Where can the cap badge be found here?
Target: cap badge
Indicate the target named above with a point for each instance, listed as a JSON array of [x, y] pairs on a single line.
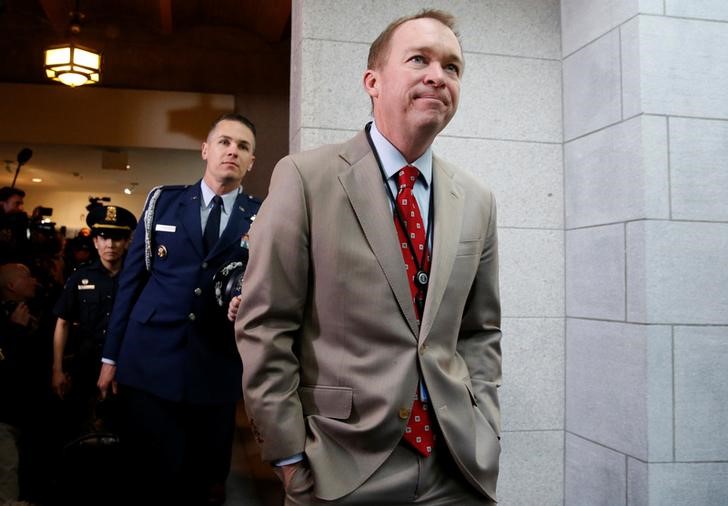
[[162, 251], [111, 214]]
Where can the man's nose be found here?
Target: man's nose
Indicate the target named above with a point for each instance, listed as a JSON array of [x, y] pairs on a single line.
[[435, 74]]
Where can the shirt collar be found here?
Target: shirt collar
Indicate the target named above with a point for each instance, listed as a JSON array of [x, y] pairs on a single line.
[[392, 160], [228, 199]]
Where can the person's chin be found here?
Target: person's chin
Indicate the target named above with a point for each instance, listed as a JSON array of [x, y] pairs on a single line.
[[433, 121]]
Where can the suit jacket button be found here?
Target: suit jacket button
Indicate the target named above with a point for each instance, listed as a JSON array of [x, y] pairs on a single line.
[[204, 265], [198, 291], [191, 317], [404, 413]]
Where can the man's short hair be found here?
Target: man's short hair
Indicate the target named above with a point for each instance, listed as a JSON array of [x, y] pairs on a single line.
[[379, 50], [6, 192], [233, 116]]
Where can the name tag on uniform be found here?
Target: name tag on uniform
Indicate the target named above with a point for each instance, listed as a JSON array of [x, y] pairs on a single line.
[[87, 287], [165, 228]]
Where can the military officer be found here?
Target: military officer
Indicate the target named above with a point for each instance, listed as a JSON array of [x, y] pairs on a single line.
[[169, 345], [83, 311]]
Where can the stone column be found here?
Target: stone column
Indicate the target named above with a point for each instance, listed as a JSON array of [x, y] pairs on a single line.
[[646, 206]]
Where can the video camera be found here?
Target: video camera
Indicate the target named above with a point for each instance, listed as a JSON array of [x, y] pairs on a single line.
[[94, 202], [23, 236]]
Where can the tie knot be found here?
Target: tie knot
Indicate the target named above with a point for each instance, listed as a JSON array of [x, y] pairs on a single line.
[[217, 201], [407, 176]]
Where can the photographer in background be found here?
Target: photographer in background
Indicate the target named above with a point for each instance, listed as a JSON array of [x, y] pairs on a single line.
[[11, 200], [31, 240], [16, 286], [24, 364], [13, 225]]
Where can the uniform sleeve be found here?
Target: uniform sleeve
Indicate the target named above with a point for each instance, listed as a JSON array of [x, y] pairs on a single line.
[[132, 279], [67, 304]]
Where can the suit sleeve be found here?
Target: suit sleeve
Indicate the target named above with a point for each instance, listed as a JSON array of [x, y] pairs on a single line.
[[271, 314], [480, 335], [132, 279]]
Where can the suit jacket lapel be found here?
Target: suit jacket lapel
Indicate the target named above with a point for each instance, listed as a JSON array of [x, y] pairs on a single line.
[[448, 213], [190, 216], [362, 182]]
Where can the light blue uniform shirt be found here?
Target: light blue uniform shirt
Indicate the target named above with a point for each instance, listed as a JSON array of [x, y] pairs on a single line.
[[228, 201]]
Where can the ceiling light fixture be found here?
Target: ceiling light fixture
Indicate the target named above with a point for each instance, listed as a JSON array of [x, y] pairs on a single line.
[[37, 180], [130, 189], [71, 64]]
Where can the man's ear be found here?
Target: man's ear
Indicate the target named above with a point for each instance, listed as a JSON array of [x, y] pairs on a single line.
[[252, 161], [371, 83], [203, 151]]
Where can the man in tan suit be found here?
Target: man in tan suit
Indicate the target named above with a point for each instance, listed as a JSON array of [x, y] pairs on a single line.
[[340, 341]]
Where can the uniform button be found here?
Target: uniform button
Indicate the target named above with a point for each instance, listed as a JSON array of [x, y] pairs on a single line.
[[103, 331], [204, 265], [191, 317], [198, 291], [404, 413]]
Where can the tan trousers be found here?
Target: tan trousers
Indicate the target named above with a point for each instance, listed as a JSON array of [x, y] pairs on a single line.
[[404, 478]]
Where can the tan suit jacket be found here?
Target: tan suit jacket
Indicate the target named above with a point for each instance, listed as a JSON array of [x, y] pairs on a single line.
[[327, 331]]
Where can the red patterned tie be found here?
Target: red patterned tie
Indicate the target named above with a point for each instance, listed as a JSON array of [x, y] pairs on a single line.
[[409, 211], [419, 433]]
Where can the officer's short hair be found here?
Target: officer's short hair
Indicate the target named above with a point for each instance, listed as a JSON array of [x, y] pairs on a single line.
[[233, 116]]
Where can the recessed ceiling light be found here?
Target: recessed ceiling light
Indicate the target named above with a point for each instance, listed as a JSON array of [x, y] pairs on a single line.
[[37, 180]]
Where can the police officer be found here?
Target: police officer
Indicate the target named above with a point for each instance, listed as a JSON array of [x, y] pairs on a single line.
[[83, 311], [169, 345]]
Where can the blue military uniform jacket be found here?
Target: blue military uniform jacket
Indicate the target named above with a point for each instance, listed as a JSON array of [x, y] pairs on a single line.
[[167, 335]]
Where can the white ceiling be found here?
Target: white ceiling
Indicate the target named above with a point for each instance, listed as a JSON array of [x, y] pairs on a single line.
[[79, 168]]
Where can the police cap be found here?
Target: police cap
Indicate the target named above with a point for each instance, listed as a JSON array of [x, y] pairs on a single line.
[[111, 221]]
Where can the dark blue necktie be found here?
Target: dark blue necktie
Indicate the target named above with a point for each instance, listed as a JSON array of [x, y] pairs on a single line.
[[212, 228]]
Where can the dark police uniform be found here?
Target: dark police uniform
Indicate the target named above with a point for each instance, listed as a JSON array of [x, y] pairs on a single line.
[[86, 302], [173, 345]]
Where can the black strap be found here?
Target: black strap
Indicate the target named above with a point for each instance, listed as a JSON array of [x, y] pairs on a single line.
[[419, 265]]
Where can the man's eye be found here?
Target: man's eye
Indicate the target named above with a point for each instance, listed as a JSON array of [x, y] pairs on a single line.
[[224, 142], [417, 59], [453, 68]]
